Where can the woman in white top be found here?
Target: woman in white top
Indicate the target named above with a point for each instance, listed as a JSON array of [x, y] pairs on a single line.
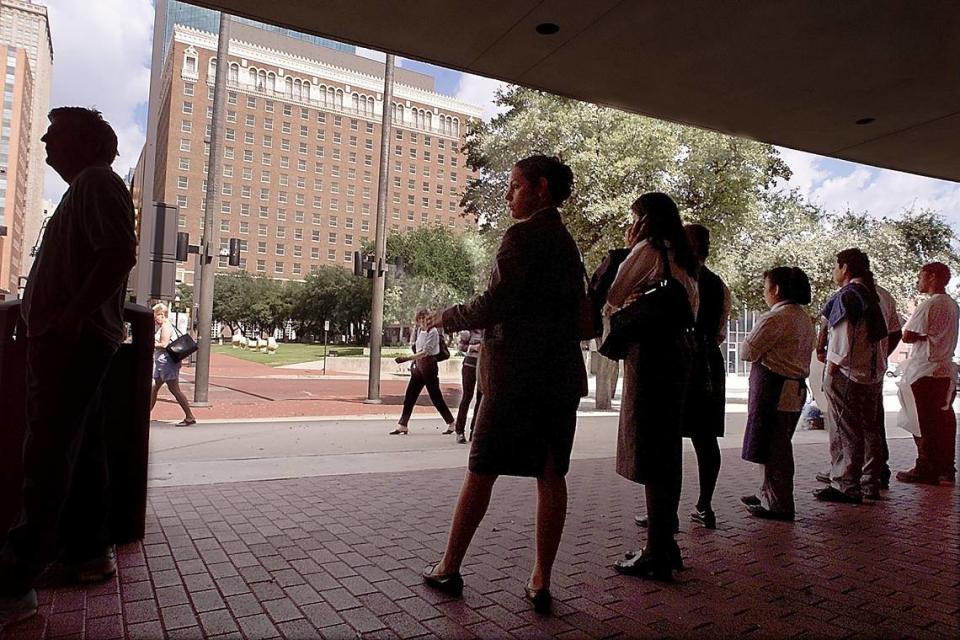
[[166, 370], [779, 347], [656, 372], [423, 373]]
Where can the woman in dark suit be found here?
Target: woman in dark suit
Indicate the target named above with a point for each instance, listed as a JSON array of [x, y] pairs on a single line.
[[531, 373], [656, 373]]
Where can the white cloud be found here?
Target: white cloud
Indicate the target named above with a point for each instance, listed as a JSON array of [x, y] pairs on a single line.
[[101, 59], [480, 91], [838, 185]]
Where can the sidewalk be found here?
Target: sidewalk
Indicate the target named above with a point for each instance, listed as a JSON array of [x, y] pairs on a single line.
[[243, 390], [340, 556]]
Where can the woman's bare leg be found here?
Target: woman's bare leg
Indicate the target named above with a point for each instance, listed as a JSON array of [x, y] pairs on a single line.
[[174, 386], [551, 516], [471, 507], [155, 392]]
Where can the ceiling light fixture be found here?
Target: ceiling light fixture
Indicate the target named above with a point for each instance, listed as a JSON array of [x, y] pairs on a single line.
[[547, 28]]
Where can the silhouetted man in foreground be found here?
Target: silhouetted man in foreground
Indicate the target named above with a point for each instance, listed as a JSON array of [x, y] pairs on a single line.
[[73, 312]]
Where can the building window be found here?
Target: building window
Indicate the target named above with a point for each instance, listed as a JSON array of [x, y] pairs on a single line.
[[261, 266], [187, 108], [184, 144], [181, 201], [182, 182], [280, 249], [331, 254]]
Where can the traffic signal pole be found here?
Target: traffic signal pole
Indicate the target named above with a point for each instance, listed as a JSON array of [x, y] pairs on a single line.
[[380, 250], [209, 247]]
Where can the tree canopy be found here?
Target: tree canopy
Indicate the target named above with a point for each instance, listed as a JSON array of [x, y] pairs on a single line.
[[733, 186]]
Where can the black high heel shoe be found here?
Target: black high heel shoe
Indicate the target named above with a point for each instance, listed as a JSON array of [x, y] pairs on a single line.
[[448, 583], [659, 566], [540, 598]]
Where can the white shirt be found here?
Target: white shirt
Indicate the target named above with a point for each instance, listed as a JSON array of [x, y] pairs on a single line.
[[937, 318], [782, 340], [850, 349], [428, 342]]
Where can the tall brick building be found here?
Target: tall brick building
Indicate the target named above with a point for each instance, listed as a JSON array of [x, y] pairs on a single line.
[[27, 50], [301, 149]]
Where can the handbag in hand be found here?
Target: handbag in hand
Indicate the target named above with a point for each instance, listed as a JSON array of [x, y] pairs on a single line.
[[661, 310], [182, 347], [444, 353]]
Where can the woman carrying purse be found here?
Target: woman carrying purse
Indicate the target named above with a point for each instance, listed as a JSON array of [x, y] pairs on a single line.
[[657, 365], [166, 370]]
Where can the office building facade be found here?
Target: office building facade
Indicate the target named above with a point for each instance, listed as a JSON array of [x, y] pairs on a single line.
[[301, 149], [25, 27]]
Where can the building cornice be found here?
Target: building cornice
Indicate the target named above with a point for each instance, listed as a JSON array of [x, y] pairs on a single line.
[[315, 70]]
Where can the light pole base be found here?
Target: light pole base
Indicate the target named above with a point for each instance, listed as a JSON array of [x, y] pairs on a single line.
[[201, 405], [373, 401]]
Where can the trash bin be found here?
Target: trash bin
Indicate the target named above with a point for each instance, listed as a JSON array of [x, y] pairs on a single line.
[[12, 406], [125, 409]]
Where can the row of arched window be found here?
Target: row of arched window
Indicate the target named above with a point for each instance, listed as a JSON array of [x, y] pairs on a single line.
[[423, 119], [332, 97]]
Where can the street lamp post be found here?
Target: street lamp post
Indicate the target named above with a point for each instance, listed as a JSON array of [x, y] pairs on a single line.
[[379, 263]]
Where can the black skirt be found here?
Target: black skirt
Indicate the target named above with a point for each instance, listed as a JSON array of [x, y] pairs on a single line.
[[705, 413], [514, 436]]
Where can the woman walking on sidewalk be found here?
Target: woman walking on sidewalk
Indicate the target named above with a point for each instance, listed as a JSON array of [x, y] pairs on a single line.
[[166, 370], [470, 346], [423, 373], [779, 347]]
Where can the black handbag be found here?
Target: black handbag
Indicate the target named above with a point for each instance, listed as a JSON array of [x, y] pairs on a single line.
[[182, 347], [662, 309], [444, 353]]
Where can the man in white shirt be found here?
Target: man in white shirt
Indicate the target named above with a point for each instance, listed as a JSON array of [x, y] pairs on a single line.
[[930, 377], [856, 363]]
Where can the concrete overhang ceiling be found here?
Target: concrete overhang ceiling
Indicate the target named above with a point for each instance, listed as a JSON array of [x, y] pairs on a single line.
[[871, 81]]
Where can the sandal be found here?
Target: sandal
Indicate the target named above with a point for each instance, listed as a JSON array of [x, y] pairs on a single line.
[[186, 423]]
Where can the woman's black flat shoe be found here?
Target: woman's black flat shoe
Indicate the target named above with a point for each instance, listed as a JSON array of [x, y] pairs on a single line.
[[448, 583], [540, 598]]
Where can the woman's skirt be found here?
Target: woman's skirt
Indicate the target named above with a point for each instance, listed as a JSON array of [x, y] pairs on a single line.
[[165, 368]]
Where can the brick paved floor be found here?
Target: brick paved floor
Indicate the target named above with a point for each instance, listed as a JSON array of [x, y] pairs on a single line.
[[339, 557]]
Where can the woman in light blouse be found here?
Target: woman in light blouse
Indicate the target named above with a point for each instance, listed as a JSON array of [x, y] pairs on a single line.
[[423, 373], [779, 347], [656, 374]]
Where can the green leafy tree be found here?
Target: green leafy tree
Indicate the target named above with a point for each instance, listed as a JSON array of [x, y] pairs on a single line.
[[331, 294], [717, 180]]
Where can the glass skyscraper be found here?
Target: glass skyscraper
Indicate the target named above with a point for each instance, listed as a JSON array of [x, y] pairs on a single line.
[[209, 20]]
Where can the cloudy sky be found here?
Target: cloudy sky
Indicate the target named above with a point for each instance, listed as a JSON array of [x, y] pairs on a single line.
[[102, 58]]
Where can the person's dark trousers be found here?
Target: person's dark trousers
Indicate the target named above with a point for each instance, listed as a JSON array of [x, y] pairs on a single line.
[[423, 373], [64, 460], [938, 427], [662, 492], [468, 377], [708, 467], [884, 449]]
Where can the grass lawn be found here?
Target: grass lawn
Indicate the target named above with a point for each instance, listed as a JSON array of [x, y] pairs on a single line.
[[294, 353]]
